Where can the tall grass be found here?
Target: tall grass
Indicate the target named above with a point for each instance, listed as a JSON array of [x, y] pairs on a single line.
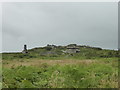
[[96, 75]]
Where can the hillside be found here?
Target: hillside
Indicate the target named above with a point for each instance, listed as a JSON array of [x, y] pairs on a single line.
[[71, 66], [63, 52]]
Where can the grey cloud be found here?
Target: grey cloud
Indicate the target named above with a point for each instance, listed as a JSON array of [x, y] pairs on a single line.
[[38, 24], [0, 27]]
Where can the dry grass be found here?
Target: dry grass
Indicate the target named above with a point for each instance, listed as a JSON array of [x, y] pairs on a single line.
[[15, 63]]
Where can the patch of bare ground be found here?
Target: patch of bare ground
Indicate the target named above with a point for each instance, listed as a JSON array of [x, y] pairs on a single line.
[[15, 63]]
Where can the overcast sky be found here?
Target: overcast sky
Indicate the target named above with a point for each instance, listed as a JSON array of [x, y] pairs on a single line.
[[39, 24], [0, 27]]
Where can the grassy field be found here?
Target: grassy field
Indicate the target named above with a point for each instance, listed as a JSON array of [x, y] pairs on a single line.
[[91, 68], [60, 74]]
